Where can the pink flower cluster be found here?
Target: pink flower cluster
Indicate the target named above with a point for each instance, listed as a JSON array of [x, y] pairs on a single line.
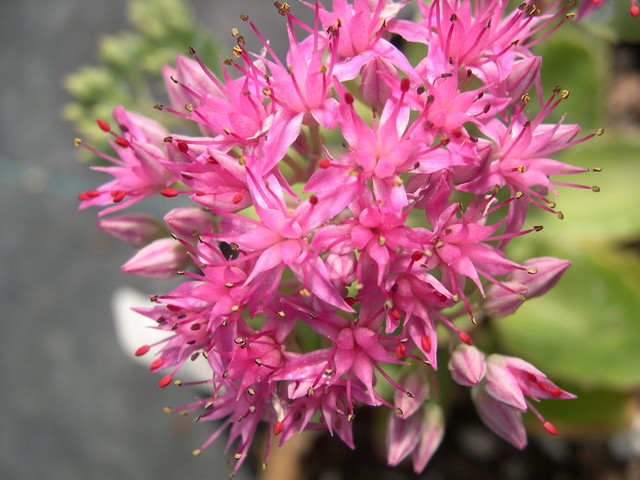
[[346, 207]]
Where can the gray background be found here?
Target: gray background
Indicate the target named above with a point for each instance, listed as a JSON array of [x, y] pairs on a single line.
[[72, 406]]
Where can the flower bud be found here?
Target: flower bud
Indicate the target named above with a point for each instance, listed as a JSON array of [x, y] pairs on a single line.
[[521, 77], [432, 432], [187, 223], [374, 88], [467, 365], [341, 268], [503, 419], [160, 259], [500, 303], [418, 387], [548, 271], [136, 229]]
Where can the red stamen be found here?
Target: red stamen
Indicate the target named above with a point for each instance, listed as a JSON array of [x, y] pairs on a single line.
[[464, 336], [104, 126], [169, 192], [549, 427], [156, 364], [88, 195], [118, 196], [404, 85], [142, 350], [278, 427], [164, 381], [182, 146], [425, 341], [395, 314], [174, 308], [123, 142], [313, 199], [400, 351], [324, 163], [238, 198], [417, 255], [349, 98]]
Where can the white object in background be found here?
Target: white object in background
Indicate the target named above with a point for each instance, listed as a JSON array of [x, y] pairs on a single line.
[[134, 330]]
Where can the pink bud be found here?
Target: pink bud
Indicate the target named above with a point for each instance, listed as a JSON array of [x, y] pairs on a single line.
[[548, 271], [417, 387], [432, 432], [136, 229], [341, 268], [374, 87], [500, 303], [160, 259], [187, 223], [503, 419], [467, 365], [522, 75], [501, 383]]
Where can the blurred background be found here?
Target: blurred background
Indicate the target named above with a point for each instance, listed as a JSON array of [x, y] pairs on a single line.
[[72, 406]]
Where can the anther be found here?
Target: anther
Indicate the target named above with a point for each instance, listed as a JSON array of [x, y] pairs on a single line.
[[123, 142], [182, 146], [169, 192], [600, 131], [164, 381], [159, 106], [405, 84], [464, 336], [324, 163], [196, 452], [77, 142], [142, 350], [537, 228], [191, 50], [104, 126], [349, 98], [595, 188], [399, 412], [234, 31], [532, 271], [166, 410], [549, 427], [560, 215]]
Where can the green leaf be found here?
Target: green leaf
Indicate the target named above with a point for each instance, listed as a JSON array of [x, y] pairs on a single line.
[[608, 215], [586, 329]]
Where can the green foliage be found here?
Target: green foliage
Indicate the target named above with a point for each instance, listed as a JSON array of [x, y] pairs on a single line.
[[129, 71]]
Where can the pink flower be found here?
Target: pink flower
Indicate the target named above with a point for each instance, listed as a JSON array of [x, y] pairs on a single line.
[[338, 206], [138, 173], [501, 398]]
